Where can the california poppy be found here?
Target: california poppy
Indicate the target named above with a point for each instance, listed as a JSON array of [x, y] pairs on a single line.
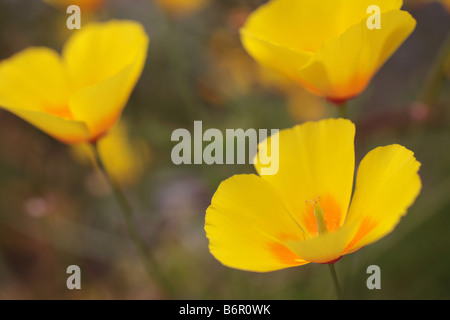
[[326, 46], [79, 96], [303, 213]]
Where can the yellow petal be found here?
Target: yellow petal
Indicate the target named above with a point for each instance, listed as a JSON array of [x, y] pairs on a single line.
[[104, 63], [294, 24], [34, 79], [247, 224], [274, 35], [100, 50], [276, 57], [304, 25], [101, 105], [316, 162], [65, 130], [386, 186], [324, 248], [353, 12], [343, 66]]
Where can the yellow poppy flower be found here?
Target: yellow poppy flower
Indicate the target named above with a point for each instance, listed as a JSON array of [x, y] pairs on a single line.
[[326, 45], [303, 213], [85, 5], [181, 7], [124, 158], [78, 96]]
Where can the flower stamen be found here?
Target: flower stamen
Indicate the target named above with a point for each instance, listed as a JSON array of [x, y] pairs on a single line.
[[320, 218]]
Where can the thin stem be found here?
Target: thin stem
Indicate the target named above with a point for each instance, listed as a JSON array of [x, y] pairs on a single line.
[[335, 280], [149, 261], [343, 110]]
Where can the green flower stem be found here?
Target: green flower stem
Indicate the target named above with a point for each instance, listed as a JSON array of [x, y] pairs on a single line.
[[343, 110], [149, 261], [335, 280]]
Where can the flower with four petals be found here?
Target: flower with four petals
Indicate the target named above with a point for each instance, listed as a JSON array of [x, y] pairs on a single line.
[[303, 213]]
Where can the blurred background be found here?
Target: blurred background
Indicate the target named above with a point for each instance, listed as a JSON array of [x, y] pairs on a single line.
[[56, 211]]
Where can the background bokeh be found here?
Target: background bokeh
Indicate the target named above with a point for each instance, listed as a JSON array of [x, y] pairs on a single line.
[[56, 211]]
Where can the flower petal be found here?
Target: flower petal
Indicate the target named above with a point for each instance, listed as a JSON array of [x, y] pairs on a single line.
[[387, 184], [247, 224], [324, 248], [316, 162], [34, 79], [294, 24], [271, 55], [65, 130], [100, 106], [353, 12], [100, 50], [105, 62], [343, 66]]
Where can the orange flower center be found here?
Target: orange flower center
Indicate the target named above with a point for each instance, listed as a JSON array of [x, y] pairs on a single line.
[[322, 215]]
